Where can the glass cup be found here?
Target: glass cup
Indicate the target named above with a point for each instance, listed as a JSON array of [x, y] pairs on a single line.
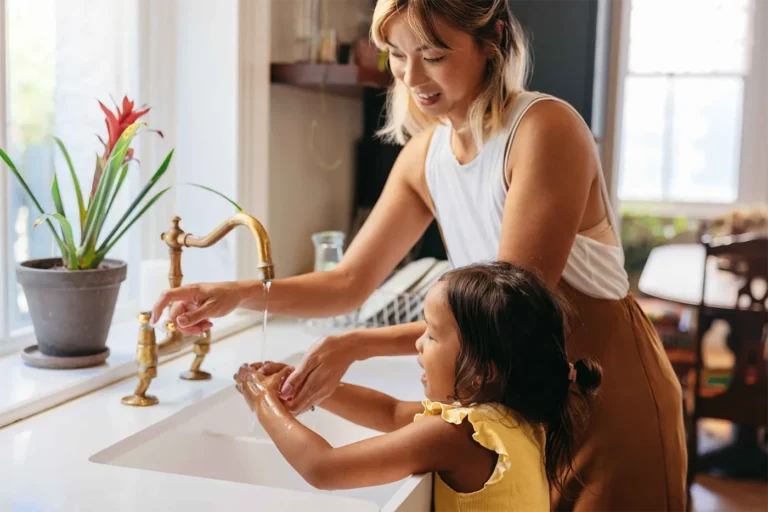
[[329, 249]]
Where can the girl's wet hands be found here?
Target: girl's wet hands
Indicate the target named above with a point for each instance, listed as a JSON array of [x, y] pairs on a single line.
[[257, 380]]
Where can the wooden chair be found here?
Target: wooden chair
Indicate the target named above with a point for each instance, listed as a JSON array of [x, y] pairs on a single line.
[[673, 325], [745, 399]]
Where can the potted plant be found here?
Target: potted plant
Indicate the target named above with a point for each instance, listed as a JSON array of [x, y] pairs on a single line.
[[72, 298]]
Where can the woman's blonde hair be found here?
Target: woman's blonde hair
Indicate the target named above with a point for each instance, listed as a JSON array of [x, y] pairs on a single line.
[[493, 26]]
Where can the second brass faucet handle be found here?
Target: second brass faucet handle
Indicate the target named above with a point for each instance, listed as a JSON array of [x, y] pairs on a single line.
[[146, 361], [146, 316], [201, 349]]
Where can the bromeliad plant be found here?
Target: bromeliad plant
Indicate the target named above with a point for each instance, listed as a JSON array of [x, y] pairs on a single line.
[[109, 175]]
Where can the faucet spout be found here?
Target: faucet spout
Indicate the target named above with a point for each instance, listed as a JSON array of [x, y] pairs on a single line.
[[176, 239]]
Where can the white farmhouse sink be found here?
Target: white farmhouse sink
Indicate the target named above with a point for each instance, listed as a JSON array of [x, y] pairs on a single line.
[[219, 438]]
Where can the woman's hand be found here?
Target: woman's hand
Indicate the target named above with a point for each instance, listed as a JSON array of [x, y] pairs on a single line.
[[318, 375], [194, 305], [256, 381]]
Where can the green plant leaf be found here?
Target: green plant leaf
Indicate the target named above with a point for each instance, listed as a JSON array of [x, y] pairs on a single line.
[[120, 181], [101, 253], [56, 193], [239, 208], [69, 255], [97, 211], [98, 170], [78, 191], [151, 183], [24, 185]]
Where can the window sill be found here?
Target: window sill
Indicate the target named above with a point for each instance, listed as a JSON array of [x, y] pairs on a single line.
[[28, 391], [694, 211]]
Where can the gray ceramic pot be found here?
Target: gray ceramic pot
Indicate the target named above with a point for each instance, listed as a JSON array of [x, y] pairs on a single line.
[[71, 310]]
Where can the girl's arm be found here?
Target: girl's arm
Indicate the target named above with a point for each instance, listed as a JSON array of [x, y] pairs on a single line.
[[370, 408], [363, 406], [419, 447]]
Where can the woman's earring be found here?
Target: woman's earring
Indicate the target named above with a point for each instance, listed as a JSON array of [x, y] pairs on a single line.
[[389, 66]]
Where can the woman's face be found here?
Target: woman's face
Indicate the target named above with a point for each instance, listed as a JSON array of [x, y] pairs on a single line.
[[442, 82]]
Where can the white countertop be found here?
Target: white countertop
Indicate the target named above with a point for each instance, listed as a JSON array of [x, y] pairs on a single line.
[[27, 391], [44, 459]]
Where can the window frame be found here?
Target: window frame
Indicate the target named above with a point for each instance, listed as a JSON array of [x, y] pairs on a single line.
[[4, 249], [752, 184], [160, 24], [13, 341]]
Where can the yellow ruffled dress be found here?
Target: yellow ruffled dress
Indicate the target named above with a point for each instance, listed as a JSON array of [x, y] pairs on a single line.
[[519, 480]]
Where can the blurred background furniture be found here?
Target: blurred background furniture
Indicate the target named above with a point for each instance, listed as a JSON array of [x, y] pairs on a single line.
[[721, 279], [743, 400]]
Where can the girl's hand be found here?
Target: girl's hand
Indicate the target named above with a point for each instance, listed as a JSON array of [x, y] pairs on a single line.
[[318, 375], [254, 383]]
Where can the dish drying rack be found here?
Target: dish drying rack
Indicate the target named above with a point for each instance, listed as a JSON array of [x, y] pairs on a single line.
[[399, 300]]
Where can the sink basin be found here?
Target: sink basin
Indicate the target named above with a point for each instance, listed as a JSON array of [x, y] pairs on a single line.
[[219, 438]]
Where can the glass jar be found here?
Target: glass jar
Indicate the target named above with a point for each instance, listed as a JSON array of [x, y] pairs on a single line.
[[329, 249]]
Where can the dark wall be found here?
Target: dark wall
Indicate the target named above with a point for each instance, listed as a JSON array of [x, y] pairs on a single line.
[[374, 162], [562, 37]]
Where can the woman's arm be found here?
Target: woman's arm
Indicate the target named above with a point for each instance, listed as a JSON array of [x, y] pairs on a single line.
[[371, 408], [322, 368], [552, 167], [395, 224]]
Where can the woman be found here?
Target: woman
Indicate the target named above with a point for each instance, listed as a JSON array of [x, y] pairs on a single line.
[[509, 175]]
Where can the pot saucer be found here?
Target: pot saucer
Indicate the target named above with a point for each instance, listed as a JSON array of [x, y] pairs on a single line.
[[33, 357]]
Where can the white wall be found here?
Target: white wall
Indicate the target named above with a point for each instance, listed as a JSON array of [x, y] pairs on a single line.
[[304, 196], [86, 72], [206, 130], [235, 132], [754, 153]]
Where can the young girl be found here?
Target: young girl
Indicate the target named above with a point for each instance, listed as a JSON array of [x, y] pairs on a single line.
[[499, 420]]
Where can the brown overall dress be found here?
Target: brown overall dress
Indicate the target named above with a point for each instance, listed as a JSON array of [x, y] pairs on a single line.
[[632, 455]]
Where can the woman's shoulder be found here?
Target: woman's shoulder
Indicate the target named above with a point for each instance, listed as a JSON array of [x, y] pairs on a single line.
[[540, 114], [419, 143], [412, 161], [549, 122]]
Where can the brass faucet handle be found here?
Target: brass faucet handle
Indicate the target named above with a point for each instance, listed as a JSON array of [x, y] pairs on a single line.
[[201, 348], [146, 361], [144, 317]]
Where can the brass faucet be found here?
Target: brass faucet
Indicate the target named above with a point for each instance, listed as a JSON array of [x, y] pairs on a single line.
[[148, 350]]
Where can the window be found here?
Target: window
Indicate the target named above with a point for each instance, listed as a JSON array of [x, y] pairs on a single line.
[[60, 57], [684, 101]]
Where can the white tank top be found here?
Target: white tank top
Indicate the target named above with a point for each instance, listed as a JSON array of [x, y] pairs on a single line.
[[469, 206]]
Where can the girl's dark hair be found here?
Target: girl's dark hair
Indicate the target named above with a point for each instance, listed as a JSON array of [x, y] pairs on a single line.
[[513, 331]]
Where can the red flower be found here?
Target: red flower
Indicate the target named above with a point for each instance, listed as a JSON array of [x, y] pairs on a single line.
[[116, 125]]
